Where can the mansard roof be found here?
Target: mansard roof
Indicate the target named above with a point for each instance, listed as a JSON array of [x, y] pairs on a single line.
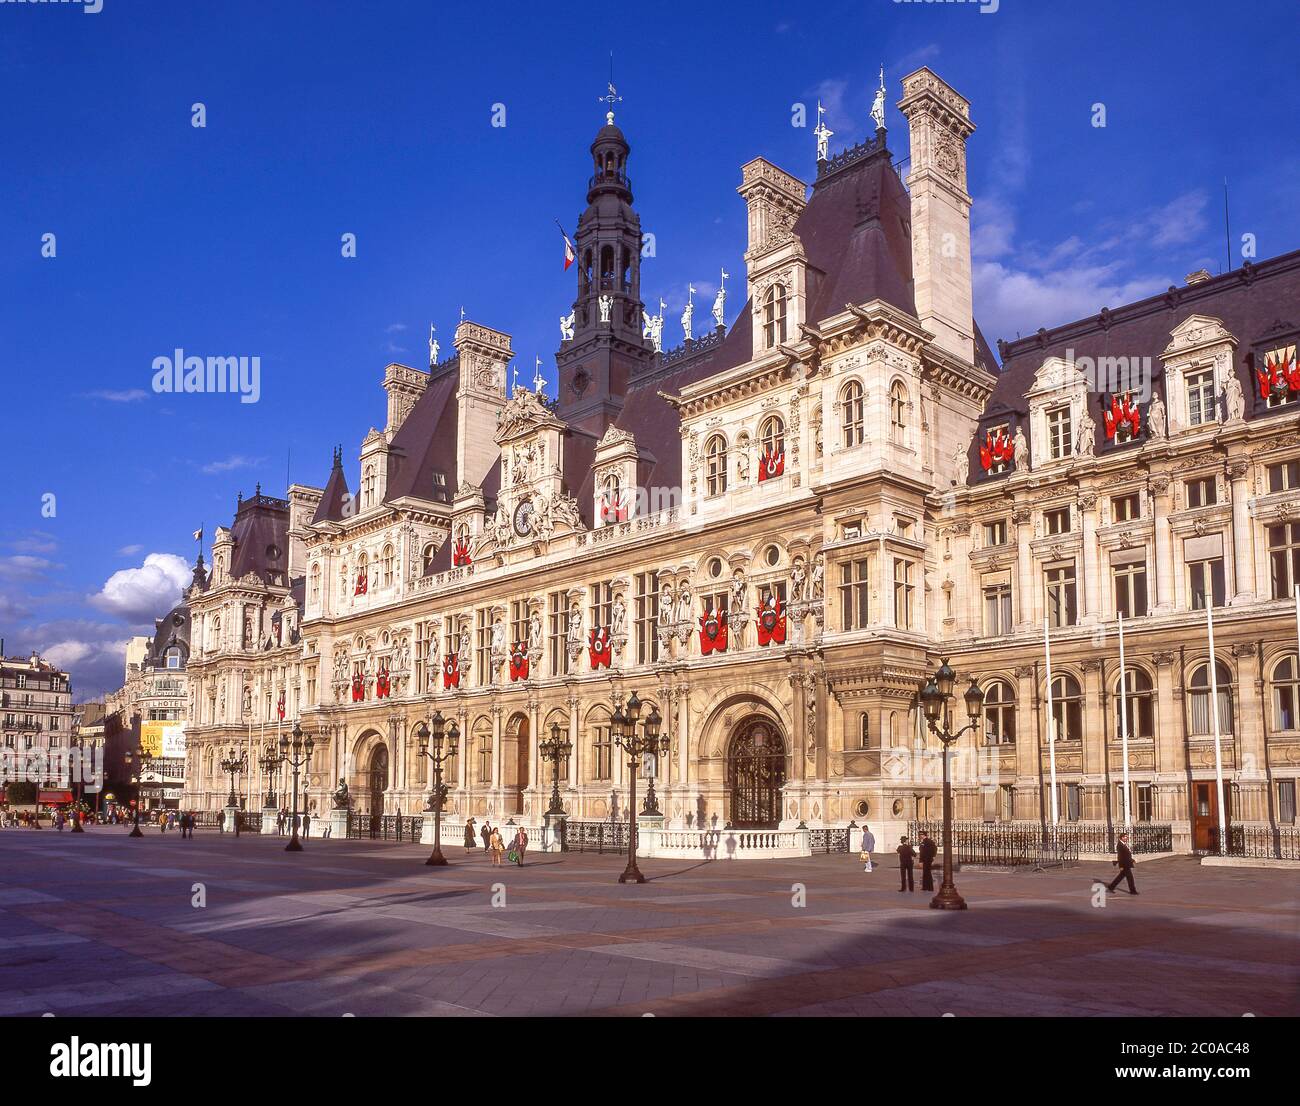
[[422, 454], [172, 629], [261, 536], [1255, 303]]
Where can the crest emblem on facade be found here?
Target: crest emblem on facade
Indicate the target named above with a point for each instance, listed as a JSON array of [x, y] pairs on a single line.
[[460, 555], [383, 682], [1123, 421], [358, 687], [451, 671], [771, 621], [279, 706], [362, 584], [997, 449], [519, 661], [599, 647], [1280, 373], [615, 508], [713, 632], [771, 463]]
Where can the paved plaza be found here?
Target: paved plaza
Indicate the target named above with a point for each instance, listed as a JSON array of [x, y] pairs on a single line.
[[98, 924]]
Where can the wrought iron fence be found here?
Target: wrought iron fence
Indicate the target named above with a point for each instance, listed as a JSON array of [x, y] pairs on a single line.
[[385, 827], [593, 837], [1258, 842], [1003, 844], [1076, 837], [829, 840]]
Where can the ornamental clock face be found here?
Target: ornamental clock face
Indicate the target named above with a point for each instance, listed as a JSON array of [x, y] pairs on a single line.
[[524, 518]]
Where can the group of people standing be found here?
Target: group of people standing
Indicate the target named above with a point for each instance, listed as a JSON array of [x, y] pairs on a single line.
[[495, 845]]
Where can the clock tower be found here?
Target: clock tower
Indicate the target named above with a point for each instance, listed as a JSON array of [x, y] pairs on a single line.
[[606, 349]]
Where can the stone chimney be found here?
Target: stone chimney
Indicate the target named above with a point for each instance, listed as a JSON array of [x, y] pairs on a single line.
[[484, 356], [404, 386], [938, 121], [1198, 277]]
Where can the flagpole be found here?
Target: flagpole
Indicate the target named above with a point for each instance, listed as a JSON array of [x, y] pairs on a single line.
[[1051, 735], [1214, 715], [1123, 723]]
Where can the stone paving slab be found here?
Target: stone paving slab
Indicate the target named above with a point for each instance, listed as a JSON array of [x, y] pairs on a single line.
[[102, 924]]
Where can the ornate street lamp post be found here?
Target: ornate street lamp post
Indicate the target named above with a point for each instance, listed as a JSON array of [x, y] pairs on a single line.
[[636, 745], [79, 744], [269, 762], [141, 767], [430, 738], [233, 764], [555, 749], [301, 755], [934, 702]]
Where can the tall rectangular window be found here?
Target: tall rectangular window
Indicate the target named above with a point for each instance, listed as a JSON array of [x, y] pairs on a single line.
[[601, 606], [995, 533], [1205, 583], [518, 620], [1284, 476], [1286, 802], [1200, 397], [1060, 433], [602, 748], [904, 592], [1057, 520], [997, 609], [855, 594], [1130, 589], [483, 646], [1126, 508], [1284, 558], [558, 632], [647, 617], [1202, 492], [1062, 600]]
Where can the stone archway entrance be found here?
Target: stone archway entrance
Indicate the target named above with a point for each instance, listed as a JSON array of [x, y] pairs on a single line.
[[515, 751], [756, 770], [377, 780]]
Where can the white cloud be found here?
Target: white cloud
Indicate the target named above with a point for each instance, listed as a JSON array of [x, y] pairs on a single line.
[[34, 542], [129, 550], [23, 566], [130, 395], [145, 593], [230, 464]]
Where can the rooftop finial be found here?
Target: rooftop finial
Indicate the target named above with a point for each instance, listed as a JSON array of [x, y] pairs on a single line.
[[878, 107], [611, 97], [538, 381]]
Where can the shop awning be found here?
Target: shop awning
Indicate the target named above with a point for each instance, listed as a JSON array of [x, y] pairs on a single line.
[[54, 797]]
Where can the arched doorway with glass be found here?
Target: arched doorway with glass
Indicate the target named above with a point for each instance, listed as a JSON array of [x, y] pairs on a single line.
[[756, 772], [377, 781]]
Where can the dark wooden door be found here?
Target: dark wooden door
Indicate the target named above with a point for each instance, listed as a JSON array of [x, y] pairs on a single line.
[[1205, 814]]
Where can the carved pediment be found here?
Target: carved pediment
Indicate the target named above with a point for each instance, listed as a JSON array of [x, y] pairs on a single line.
[[1197, 332], [523, 413]]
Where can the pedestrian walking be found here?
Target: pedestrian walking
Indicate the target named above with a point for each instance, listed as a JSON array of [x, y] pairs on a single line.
[[306, 824], [58, 820], [470, 843], [928, 852], [520, 846], [906, 854], [1124, 861], [868, 847], [497, 847], [486, 834]]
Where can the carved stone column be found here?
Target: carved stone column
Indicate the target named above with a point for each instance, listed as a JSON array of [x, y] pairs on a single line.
[[1026, 593], [1091, 589], [1027, 740], [1251, 759], [575, 753], [1243, 545], [1162, 503], [1094, 743]]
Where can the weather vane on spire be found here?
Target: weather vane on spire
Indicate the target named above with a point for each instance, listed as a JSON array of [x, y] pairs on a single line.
[[823, 134], [878, 107], [611, 97]]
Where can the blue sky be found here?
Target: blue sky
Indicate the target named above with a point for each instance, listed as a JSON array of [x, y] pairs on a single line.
[[326, 118]]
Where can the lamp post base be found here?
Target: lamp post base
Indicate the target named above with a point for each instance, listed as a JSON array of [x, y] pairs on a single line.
[[135, 831], [631, 874], [294, 846], [947, 899], [436, 859]]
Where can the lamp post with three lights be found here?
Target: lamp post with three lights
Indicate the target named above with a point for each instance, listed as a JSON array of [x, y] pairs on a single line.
[[636, 743], [934, 703], [296, 754], [431, 737]]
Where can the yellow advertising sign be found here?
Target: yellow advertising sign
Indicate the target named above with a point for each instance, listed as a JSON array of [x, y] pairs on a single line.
[[162, 739]]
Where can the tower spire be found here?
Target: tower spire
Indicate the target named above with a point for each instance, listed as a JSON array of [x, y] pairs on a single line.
[[611, 97]]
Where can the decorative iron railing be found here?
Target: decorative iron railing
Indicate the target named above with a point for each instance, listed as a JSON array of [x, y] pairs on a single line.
[[593, 837], [829, 840], [385, 827], [1003, 844], [1258, 842]]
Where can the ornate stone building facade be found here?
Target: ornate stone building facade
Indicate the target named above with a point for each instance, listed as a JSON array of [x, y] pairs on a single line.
[[774, 532]]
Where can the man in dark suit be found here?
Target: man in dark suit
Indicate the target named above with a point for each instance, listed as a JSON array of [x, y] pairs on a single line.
[[906, 854], [1124, 860], [928, 852]]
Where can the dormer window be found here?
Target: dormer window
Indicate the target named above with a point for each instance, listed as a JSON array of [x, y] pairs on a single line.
[[369, 481], [851, 414], [898, 413], [1201, 397], [774, 316], [1060, 433], [715, 465]]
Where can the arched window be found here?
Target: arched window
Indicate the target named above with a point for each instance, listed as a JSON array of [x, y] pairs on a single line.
[[1198, 699], [898, 413], [771, 437], [851, 414], [427, 557], [999, 714], [1067, 708], [611, 500], [368, 484], [483, 750], [774, 316], [1286, 695], [215, 643], [315, 583], [386, 566], [715, 465], [363, 573], [173, 656], [1138, 698], [607, 268], [864, 730]]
